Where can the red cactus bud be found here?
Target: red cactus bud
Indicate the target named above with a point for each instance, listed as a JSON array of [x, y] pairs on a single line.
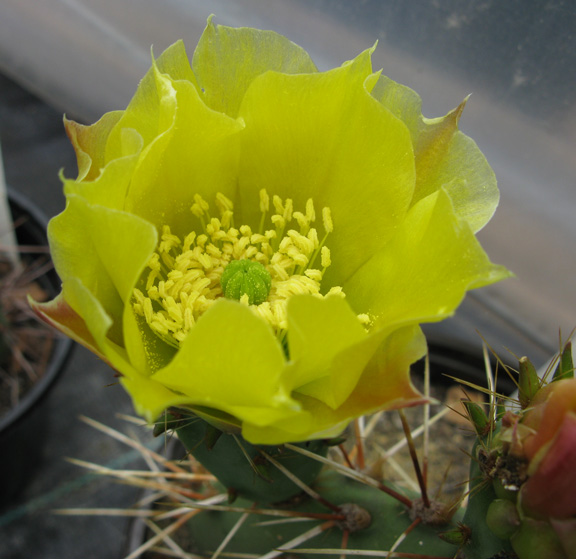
[[550, 406], [549, 490]]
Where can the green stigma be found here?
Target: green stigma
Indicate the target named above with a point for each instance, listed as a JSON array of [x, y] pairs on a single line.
[[245, 277]]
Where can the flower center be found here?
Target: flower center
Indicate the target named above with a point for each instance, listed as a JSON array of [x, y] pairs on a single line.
[[245, 277], [261, 270]]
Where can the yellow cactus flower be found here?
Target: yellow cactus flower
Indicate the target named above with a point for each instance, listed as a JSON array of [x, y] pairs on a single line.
[[347, 218]]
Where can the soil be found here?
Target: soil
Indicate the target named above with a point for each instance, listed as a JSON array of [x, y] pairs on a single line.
[[25, 343], [449, 445]]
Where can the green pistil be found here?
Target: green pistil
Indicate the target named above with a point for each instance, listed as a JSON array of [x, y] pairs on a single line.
[[245, 277]]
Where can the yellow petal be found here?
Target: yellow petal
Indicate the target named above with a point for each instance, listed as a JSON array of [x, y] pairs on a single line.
[[423, 274], [60, 315], [445, 157], [89, 143], [329, 348], [227, 60], [384, 384], [231, 361]]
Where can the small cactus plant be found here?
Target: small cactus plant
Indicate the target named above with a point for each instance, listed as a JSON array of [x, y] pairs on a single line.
[[251, 324]]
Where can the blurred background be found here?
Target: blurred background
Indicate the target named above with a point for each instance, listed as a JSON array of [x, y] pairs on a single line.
[[85, 57]]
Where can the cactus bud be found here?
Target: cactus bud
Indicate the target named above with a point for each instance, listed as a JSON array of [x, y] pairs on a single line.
[[458, 536], [565, 368], [536, 539], [502, 518], [528, 382], [551, 451], [478, 417]]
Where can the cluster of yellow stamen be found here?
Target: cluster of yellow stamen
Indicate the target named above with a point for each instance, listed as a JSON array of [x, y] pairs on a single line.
[[184, 274]]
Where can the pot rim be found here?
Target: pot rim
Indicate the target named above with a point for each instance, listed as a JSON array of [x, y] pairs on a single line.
[[62, 346]]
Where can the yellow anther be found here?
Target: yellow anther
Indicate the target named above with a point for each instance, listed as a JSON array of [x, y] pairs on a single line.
[[154, 262], [182, 261], [179, 336], [315, 275], [336, 291], [277, 202], [153, 293], [162, 289], [160, 327], [175, 274], [264, 310], [303, 223], [312, 236], [151, 279], [200, 206], [310, 213], [325, 257], [301, 242], [138, 295], [264, 201], [223, 203], [243, 242], [278, 221], [188, 241], [148, 311], [279, 272], [188, 319], [174, 311], [251, 252], [364, 319], [327, 220], [213, 251], [227, 219], [285, 244], [298, 258], [246, 231], [213, 227], [166, 259], [257, 239], [168, 240], [288, 209]]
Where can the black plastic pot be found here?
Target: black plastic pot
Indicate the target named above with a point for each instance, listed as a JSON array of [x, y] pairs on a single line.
[[22, 428]]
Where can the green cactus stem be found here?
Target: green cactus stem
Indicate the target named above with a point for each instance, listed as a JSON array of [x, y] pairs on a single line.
[[389, 520], [482, 543], [243, 468]]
